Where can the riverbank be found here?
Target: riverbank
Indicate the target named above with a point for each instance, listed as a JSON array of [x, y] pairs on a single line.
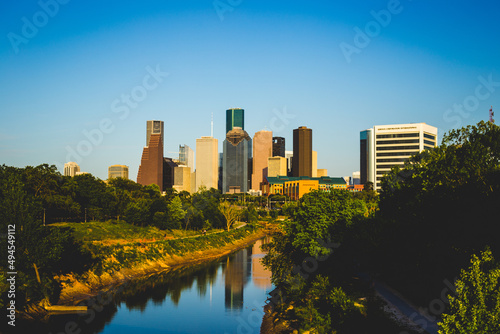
[[140, 260]]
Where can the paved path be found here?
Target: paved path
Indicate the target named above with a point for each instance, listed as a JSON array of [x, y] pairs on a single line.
[[406, 308], [402, 309]]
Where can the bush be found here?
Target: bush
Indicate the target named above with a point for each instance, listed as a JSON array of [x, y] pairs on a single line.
[[476, 306], [262, 213]]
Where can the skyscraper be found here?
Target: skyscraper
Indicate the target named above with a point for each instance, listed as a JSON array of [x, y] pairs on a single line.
[[237, 152], [151, 168], [118, 171], [385, 146], [71, 169], [207, 162], [289, 160], [153, 127], [235, 117], [186, 156], [302, 152], [169, 166], [314, 164], [262, 150], [278, 147]]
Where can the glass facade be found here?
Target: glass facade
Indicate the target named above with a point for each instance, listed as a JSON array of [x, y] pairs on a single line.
[[235, 118], [236, 157]]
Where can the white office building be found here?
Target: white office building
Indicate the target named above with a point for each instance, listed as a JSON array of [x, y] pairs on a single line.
[[385, 146]]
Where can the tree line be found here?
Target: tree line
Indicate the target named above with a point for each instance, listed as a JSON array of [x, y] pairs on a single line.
[[32, 198]]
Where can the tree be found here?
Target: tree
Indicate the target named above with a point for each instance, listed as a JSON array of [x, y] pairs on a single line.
[[301, 260], [175, 213], [368, 186], [231, 213], [40, 251], [452, 190], [138, 212], [475, 308]]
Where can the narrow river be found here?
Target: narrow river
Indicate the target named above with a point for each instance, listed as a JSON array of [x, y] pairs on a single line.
[[223, 296]]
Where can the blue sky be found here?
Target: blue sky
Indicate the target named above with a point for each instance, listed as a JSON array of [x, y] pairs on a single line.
[[68, 74]]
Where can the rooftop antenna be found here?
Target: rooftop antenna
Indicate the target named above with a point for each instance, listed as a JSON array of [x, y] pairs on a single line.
[[491, 115], [212, 126]]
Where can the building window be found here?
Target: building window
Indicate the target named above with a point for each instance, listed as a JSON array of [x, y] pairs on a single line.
[[428, 142], [429, 136], [391, 154], [403, 141], [395, 148], [399, 135], [392, 160]]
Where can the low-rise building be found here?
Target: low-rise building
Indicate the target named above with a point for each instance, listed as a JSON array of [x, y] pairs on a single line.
[[296, 187], [118, 171]]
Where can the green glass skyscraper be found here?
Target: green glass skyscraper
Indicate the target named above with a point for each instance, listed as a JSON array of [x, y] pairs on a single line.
[[235, 117]]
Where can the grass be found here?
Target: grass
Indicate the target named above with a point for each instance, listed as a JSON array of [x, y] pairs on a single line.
[[116, 245], [112, 232]]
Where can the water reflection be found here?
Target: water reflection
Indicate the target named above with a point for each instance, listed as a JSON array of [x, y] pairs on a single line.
[[260, 275], [214, 297]]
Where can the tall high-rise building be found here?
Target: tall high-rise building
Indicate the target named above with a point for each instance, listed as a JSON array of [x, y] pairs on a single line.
[[235, 117], [169, 166], [71, 169], [314, 164], [221, 163], [278, 147], [237, 152], [289, 160], [207, 171], [385, 146], [262, 150], [186, 156], [302, 152], [118, 171], [152, 128], [151, 168]]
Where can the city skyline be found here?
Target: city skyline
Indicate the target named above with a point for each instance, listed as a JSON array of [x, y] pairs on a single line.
[[94, 73]]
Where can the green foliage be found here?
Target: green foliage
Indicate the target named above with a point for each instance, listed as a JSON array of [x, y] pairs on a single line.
[[51, 251], [111, 230], [289, 208], [475, 308], [4, 287], [137, 212], [175, 213], [323, 217], [263, 213], [441, 202], [249, 215], [117, 256], [297, 257], [161, 221]]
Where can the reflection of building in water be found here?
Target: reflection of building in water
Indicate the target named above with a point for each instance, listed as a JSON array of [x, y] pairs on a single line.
[[260, 275], [235, 279]]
